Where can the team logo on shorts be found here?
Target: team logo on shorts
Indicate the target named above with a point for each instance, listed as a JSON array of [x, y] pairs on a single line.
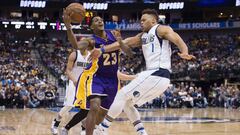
[[136, 94], [80, 102]]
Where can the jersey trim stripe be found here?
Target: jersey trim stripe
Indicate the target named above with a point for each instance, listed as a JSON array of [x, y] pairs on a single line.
[[76, 57], [159, 39], [84, 88], [80, 98]]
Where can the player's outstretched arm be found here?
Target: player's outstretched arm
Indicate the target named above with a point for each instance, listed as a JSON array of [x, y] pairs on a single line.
[[81, 45], [168, 33], [125, 77], [128, 42], [67, 21], [126, 49], [69, 68]]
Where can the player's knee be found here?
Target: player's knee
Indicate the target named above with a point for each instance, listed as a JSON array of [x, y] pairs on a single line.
[[95, 108]]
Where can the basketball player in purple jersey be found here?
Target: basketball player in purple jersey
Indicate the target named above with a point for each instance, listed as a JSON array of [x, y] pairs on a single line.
[[98, 84]]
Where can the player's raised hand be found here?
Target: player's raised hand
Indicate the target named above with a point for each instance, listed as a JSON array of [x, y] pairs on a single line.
[[186, 56], [67, 18]]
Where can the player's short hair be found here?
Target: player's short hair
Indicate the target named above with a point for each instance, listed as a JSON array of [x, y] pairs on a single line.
[[152, 12]]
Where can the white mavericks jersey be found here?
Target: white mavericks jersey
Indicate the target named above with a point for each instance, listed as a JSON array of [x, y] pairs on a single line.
[[157, 51], [78, 67]]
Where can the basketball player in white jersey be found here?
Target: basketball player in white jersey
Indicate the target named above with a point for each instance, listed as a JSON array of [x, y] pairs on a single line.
[[75, 66], [151, 83], [77, 61]]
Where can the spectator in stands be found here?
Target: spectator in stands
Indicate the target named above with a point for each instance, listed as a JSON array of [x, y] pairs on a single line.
[[18, 101], [2, 97], [33, 101], [199, 101], [23, 95], [236, 98], [183, 93], [175, 101], [188, 101], [49, 97], [167, 96]]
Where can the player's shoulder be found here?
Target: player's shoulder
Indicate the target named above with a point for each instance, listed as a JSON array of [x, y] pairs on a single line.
[[163, 28], [73, 55]]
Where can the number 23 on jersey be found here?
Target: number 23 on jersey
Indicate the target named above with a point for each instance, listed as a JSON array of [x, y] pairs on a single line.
[[110, 59]]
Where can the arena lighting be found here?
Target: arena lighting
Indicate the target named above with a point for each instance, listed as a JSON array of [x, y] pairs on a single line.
[[38, 25], [96, 6], [5, 24], [33, 4], [42, 25], [161, 19], [53, 25], [30, 25], [171, 5], [237, 2], [17, 24]]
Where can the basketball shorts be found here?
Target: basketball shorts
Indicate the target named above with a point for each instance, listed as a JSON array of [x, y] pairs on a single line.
[[147, 86], [70, 94], [94, 85]]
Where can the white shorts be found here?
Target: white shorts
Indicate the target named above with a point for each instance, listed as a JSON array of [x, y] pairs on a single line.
[[147, 86], [70, 94]]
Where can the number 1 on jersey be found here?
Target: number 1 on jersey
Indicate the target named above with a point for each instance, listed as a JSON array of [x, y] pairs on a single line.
[[152, 47]]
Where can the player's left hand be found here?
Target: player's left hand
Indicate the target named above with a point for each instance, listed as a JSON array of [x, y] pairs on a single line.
[[67, 18], [95, 53], [125, 48], [186, 56]]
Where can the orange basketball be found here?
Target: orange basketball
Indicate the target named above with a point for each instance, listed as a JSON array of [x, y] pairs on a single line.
[[77, 12]]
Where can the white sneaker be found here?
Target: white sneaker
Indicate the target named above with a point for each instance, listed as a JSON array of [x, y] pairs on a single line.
[[142, 133], [100, 130], [64, 131], [54, 129]]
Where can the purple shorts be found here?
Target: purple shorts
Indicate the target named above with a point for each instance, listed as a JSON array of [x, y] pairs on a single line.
[[106, 88]]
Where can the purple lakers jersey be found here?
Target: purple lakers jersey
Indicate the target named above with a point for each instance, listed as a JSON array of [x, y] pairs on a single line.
[[107, 64]]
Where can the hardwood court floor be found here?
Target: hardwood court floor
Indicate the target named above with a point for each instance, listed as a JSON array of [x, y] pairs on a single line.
[[210, 121]]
